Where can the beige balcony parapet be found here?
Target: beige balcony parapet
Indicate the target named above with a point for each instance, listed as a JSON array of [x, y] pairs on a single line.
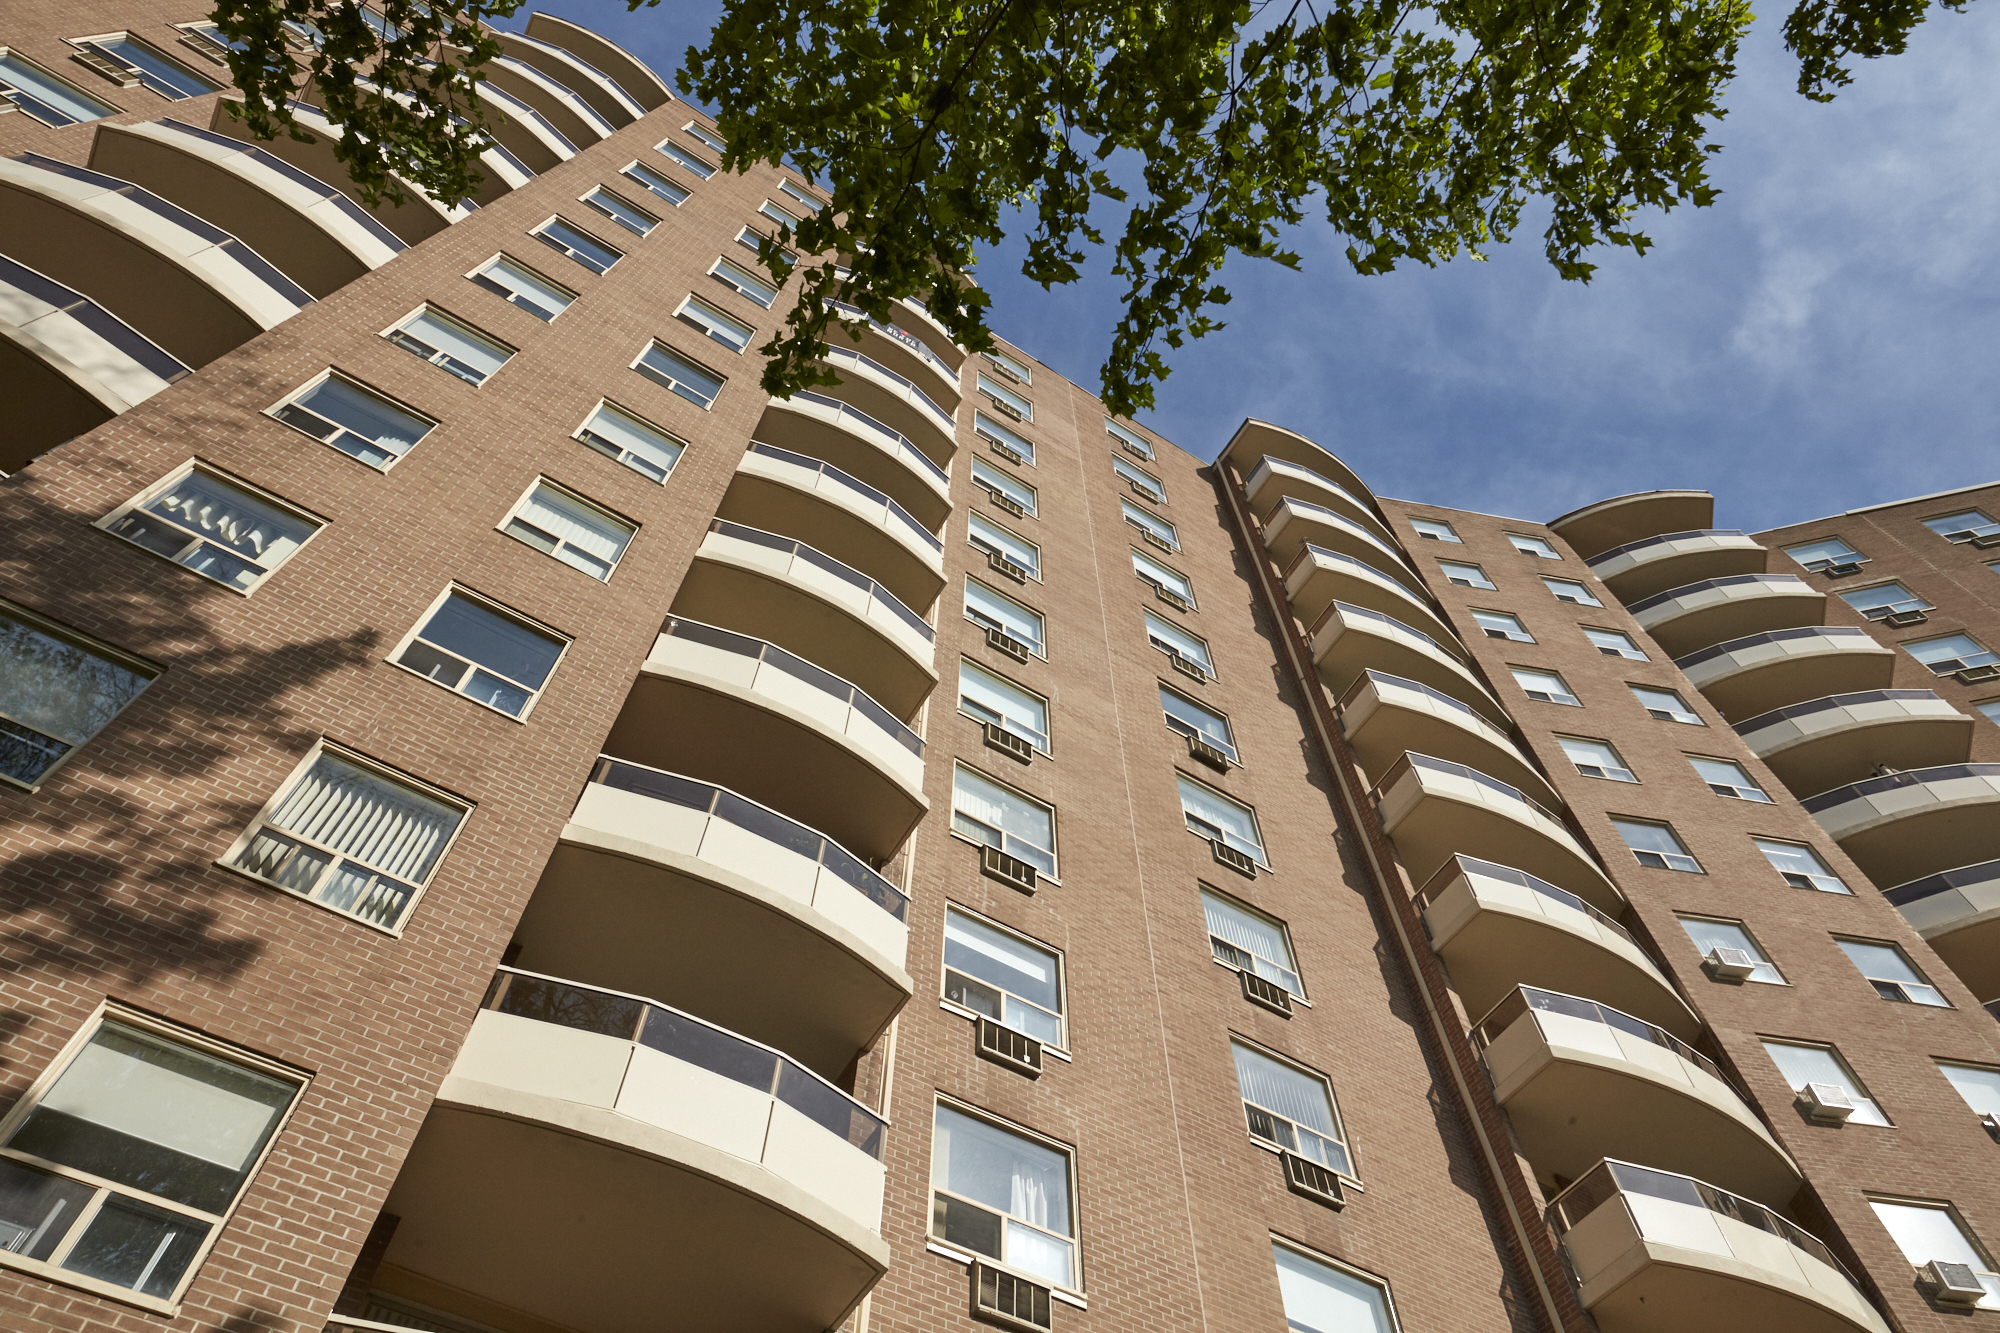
[[1255, 440], [1318, 576], [1656, 1252], [1275, 480], [809, 422], [1596, 528], [1752, 675], [632, 75], [1654, 564], [901, 350], [1908, 825], [1384, 716], [892, 397], [1844, 738], [1696, 615], [574, 73], [1349, 639], [1958, 912], [560, 105], [1294, 521], [1498, 928]]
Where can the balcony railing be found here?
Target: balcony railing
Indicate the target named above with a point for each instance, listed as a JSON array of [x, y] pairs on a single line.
[[354, 213], [134, 344], [1644, 542], [894, 513], [684, 1037], [1861, 636], [1916, 777], [916, 346], [1371, 676], [757, 820], [1811, 706], [1952, 882], [1449, 769], [1322, 479], [862, 359], [846, 573], [1529, 999], [893, 440], [1472, 865], [1774, 581], [1308, 551], [1349, 611]]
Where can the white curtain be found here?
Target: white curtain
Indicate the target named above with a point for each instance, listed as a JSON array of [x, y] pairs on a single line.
[[369, 818], [576, 523]]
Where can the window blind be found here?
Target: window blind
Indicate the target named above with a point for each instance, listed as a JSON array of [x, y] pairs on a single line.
[[576, 523], [1298, 1097], [369, 818]]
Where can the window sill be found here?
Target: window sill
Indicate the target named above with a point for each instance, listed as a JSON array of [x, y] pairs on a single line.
[[968, 1258], [973, 1014], [394, 933]]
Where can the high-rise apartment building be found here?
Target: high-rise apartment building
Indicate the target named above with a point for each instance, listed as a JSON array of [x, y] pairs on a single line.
[[508, 828]]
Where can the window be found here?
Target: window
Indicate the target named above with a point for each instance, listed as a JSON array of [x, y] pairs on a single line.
[[998, 816], [1595, 759], [524, 287], [1726, 777], [1219, 819], [1710, 934], [1569, 590], [1934, 1232], [1145, 482], [679, 374], [1166, 580], [700, 135], [1000, 702], [726, 329], [620, 210], [1009, 367], [1249, 941], [1004, 1195], [349, 837], [1613, 644], [1665, 705], [1151, 524], [1533, 546], [743, 282], [1655, 845], [1131, 439], [218, 528], [56, 692], [1322, 1298], [988, 536], [1435, 529], [1818, 555], [1500, 625], [215, 46], [637, 443], [648, 179], [51, 100], [1176, 642], [1799, 865], [1290, 1109], [998, 483], [1544, 687], [354, 420], [586, 250], [1990, 710], [753, 240], [798, 195], [472, 648], [1802, 1064], [1978, 1084], [1465, 576], [445, 342], [1194, 721], [152, 1141], [1884, 599], [1893, 976], [1007, 398], [570, 528], [1963, 526], [163, 74], [1010, 442], [1952, 652], [995, 610], [1016, 983], [673, 152]]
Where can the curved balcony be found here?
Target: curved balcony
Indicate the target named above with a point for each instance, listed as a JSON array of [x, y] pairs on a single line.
[[901, 350], [574, 73], [595, 1158], [720, 705], [895, 399], [706, 899], [1909, 825], [1623, 519], [1319, 576], [1276, 480], [1654, 564], [531, 137], [782, 491], [191, 287], [1498, 928], [863, 447], [1583, 1081], [632, 75], [807, 602], [1844, 737], [66, 364], [1958, 912], [1385, 716], [1752, 675], [1348, 639], [318, 236], [1255, 440], [1655, 1252], [1294, 522], [1435, 810], [1686, 619], [570, 113]]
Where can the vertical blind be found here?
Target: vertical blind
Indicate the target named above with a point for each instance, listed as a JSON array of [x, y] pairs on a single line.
[[366, 415], [369, 818], [988, 692], [576, 523], [1016, 619], [1300, 1098], [1238, 825], [1252, 934], [229, 517]]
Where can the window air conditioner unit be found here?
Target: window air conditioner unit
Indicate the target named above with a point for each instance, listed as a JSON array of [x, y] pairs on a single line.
[[1012, 455], [1005, 503], [1266, 994], [1729, 964], [1192, 670], [1000, 641], [1154, 538], [1130, 447], [1235, 860], [1172, 598], [1951, 1284], [1990, 1123], [1901, 618], [1005, 741], [1843, 569], [1977, 675], [1203, 752], [1145, 494], [1004, 1046], [1006, 568], [1004, 371], [1009, 870], [1005, 408], [1826, 1102], [1987, 541], [1312, 1181], [1011, 1302]]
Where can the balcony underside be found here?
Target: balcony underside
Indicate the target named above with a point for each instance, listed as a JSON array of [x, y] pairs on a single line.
[[827, 518], [1649, 570], [894, 406], [1258, 439], [1430, 824], [1710, 619], [1596, 528], [1764, 675], [800, 426], [1315, 582], [1899, 845], [1272, 481], [632, 75], [1383, 722], [1344, 647], [417, 218], [1837, 746], [1291, 524], [599, 90], [50, 398], [893, 353]]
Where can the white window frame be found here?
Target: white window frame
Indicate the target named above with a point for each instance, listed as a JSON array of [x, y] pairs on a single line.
[[1047, 742], [1207, 890], [798, 192], [972, 539], [505, 613], [1010, 367], [695, 130], [1637, 654], [1910, 647], [614, 516], [1143, 519], [1132, 475], [999, 393], [394, 458], [1072, 1295], [1736, 793], [91, 46], [685, 392], [588, 200], [1566, 699], [1605, 773], [1518, 634], [637, 172], [117, 656], [1851, 1084], [1539, 547], [583, 429], [1812, 877], [1262, 856], [1560, 590], [1055, 830], [1960, 535], [1058, 1049], [1818, 563], [1908, 602], [1944, 1065], [743, 282], [1351, 1179], [1989, 1273], [1207, 667], [1176, 725], [771, 209], [1040, 649], [1687, 717], [110, 1011], [1666, 859], [472, 332], [480, 271], [1421, 527], [685, 160], [723, 319], [82, 94], [540, 231], [109, 523], [1477, 579], [1006, 486], [1756, 950], [1874, 982], [1130, 438], [986, 428], [1139, 572], [1360, 1275]]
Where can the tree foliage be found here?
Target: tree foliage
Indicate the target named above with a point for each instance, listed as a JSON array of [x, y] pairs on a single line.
[[1422, 128]]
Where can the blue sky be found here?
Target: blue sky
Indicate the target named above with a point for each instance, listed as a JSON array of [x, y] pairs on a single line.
[[1826, 336]]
